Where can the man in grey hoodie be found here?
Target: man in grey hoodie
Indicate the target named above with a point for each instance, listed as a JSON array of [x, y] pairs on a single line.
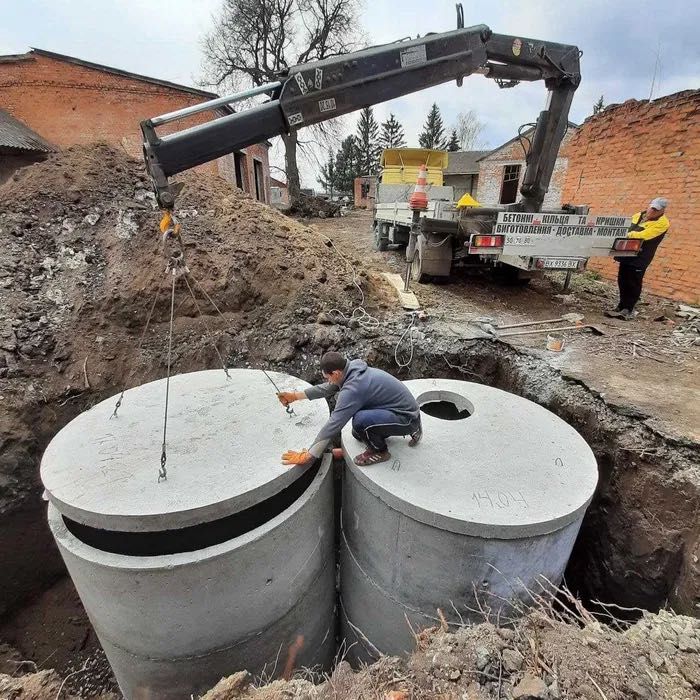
[[379, 405]]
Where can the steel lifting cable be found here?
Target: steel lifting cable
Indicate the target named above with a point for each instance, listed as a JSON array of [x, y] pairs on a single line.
[[288, 409], [206, 325], [138, 351], [163, 473]]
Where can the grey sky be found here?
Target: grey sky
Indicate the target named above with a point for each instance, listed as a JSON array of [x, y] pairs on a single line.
[[619, 40]]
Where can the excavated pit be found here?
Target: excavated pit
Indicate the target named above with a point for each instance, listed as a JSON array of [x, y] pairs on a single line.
[[622, 555], [79, 256]]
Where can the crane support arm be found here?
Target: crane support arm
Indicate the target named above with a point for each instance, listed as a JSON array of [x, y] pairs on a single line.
[[314, 92]]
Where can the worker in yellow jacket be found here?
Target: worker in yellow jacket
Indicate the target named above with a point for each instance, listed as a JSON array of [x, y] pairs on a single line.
[[651, 226]]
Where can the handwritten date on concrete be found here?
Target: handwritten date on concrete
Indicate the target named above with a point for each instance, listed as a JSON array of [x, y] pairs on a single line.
[[499, 499]]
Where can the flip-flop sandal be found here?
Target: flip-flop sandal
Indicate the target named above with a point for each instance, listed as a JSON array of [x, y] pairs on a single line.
[[371, 457]]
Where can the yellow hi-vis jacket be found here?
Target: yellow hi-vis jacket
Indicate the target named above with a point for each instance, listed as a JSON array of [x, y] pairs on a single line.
[[650, 229], [651, 233]]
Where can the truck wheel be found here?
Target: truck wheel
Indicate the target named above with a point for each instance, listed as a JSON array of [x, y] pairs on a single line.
[[432, 261], [381, 237], [417, 273]]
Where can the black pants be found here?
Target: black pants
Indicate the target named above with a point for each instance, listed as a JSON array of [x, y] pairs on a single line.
[[373, 426], [629, 281]]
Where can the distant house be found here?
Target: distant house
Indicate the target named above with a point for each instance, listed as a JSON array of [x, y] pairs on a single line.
[[279, 194], [19, 146], [462, 172], [69, 101], [501, 172]]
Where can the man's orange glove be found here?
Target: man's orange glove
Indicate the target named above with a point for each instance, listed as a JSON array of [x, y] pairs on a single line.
[[287, 397], [292, 458]]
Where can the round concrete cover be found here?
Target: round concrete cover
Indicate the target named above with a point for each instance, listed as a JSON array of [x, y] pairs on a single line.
[[512, 469], [225, 440]]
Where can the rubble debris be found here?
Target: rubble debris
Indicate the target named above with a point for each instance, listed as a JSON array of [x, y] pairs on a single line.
[[315, 207]]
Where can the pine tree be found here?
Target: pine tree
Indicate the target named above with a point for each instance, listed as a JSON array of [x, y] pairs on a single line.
[[328, 179], [367, 140], [599, 106], [453, 144], [347, 166], [392, 135], [433, 135]]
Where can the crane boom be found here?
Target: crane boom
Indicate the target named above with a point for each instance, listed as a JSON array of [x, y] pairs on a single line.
[[316, 91]]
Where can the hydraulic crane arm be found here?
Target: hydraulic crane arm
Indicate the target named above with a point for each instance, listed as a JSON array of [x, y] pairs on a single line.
[[320, 90]]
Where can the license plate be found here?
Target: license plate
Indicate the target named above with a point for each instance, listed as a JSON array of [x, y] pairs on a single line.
[[561, 263]]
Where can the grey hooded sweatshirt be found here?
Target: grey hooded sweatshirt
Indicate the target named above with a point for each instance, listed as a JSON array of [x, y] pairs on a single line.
[[362, 388]]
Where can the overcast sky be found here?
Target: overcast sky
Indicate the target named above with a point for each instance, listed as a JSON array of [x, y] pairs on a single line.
[[619, 39]]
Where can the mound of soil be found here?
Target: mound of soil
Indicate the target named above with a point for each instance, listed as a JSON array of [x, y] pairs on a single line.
[[539, 658], [82, 265], [315, 207]]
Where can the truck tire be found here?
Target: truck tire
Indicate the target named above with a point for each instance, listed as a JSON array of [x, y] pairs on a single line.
[[432, 262], [381, 236], [417, 273]]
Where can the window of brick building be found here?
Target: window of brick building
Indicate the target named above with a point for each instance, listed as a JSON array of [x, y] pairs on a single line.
[[509, 186]]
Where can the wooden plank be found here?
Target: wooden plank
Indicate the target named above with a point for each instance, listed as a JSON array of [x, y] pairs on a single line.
[[408, 300]]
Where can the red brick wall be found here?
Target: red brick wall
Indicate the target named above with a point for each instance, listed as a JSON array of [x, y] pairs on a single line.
[[368, 201], [69, 104], [623, 157]]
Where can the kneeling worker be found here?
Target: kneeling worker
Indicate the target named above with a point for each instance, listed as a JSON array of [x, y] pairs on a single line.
[[379, 405]]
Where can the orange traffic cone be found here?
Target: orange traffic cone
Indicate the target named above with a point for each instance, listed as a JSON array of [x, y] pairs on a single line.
[[419, 199]]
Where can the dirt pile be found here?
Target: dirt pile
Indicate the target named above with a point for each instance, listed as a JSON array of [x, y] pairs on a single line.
[[315, 207], [542, 657], [82, 265]]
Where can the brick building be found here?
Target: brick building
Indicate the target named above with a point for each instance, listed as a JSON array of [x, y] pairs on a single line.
[[501, 173], [629, 153], [365, 191], [68, 101], [279, 193]]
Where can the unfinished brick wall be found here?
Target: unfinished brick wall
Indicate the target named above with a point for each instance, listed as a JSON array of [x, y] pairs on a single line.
[[70, 104], [623, 157], [491, 170]]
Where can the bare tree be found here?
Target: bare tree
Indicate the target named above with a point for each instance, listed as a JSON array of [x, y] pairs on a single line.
[[469, 130], [257, 40]]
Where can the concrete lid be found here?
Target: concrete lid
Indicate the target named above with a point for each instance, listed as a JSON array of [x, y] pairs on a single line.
[[512, 469], [225, 441]]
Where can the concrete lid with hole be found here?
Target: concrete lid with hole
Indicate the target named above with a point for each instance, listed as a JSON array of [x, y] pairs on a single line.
[[511, 469], [224, 447]]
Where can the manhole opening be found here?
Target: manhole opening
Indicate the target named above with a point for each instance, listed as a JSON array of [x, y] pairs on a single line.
[[445, 405]]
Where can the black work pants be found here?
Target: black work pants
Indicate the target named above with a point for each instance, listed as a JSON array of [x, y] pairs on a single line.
[[629, 282], [373, 426]]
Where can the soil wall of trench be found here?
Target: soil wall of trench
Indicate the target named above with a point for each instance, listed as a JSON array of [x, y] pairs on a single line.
[[640, 540]]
